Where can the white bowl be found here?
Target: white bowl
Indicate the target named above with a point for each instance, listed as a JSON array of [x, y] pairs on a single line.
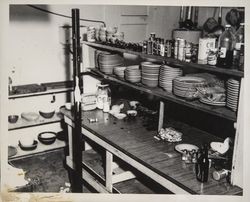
[[68, 105], [27, 141]]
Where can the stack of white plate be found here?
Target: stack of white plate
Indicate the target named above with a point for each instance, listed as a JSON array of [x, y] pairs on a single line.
[[107, 62], [167, 74], [233, 87], [186, 86], [150, 73], [119, 71], [133, 74]]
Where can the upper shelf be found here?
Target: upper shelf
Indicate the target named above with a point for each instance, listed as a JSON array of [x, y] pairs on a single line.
[[214, 69], [214, 110]]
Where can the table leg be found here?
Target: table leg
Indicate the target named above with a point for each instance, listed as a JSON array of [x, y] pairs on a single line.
[[161, 115], [109, 171]]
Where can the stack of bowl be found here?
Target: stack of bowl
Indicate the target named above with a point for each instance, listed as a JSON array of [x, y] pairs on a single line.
[[107, 62], [133, 74], [119, 71], [150, 74]]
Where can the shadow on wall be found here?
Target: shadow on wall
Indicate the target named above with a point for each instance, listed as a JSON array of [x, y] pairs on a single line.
[[24, 13]]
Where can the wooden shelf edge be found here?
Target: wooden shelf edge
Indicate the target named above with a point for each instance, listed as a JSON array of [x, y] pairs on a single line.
[[41, 148], [53, 91], [170, 97], [41, 121], [229, 72]]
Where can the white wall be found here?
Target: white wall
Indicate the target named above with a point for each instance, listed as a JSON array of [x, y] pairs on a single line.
[[36, 51]]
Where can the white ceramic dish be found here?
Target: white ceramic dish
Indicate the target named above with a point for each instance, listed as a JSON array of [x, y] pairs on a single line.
[[189, 147]]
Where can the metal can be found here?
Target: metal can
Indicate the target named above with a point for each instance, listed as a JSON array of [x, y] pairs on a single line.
[[144, 46], [168, 48], [218, 175], [188, 53], [181, 49], [149, 47], [176, 48], [212, 57], [205, 44]]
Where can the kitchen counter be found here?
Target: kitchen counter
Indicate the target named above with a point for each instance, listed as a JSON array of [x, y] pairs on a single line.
[[131, 141]]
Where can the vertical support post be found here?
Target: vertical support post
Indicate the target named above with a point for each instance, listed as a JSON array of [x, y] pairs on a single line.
[[77, 137], [109, 170], [161, 115]]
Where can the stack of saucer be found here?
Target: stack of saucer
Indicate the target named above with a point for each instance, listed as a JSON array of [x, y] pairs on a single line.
[[233, 87], [119, 71], [186, 86], [167, 74], [107, 61], [133, 74], [150, 73]]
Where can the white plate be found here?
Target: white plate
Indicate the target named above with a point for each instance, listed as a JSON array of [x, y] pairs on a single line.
[[188, 147], [208, 102]]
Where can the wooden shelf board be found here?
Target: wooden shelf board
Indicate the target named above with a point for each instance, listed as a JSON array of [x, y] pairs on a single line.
[[226, 71], [47, 92], [22, 123], [159, 92], [40, 148]]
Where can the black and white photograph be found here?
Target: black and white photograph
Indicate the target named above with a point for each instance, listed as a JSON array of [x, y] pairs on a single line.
[[124, 101]]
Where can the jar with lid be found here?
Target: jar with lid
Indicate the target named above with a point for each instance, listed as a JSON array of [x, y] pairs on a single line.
[[103, 96]]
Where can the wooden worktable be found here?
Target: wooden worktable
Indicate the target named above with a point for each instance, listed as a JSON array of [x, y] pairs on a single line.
[[134, 144]]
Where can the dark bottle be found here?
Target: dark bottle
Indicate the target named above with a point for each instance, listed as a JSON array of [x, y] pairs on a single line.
[[188, 23], [202, 165], [226, 45]]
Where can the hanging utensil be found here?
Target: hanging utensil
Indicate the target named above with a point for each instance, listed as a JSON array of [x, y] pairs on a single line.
[[188, 23], [181, 17], [217, 31]]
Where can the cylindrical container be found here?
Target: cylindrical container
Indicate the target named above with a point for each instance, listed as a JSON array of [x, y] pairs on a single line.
[[188, 53], [162, 48], [205, 44], [212, 57], [221, 174], [91, 34], [181, 49], [144, 46], [149, 47], [176, 48], [168, 48], [103, 96]]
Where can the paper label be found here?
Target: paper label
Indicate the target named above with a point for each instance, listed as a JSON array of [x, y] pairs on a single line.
[[223, 52]]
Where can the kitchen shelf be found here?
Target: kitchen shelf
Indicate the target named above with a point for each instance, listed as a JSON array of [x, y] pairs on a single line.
[[47, 92], [159, 92], [40, 148], [22, 123], [212, 69]]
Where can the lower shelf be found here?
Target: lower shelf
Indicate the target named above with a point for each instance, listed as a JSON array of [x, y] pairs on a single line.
[[40, 148]]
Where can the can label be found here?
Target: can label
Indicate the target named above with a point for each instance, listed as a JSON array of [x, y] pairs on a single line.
[[205, 45]]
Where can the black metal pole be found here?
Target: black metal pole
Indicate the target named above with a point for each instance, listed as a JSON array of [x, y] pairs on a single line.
[[77, 136]]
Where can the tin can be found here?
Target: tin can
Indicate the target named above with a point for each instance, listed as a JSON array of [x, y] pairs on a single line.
[[176, 48], [144, 46], [181, 49], [168, 48], [205, 44], [149, 47], [188, 53], [218, 175], [212, 57]]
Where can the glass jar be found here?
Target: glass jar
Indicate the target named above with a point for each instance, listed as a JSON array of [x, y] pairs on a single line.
[[103, 96]]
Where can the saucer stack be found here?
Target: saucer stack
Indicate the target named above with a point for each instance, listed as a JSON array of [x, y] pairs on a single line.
[[150, 74], [133, 74], [119, 71], [233, 87], [186, 86], [167, 74], [107, 62]]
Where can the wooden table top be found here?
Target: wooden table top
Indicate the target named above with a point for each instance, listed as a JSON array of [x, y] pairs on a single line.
[[135, 140]]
